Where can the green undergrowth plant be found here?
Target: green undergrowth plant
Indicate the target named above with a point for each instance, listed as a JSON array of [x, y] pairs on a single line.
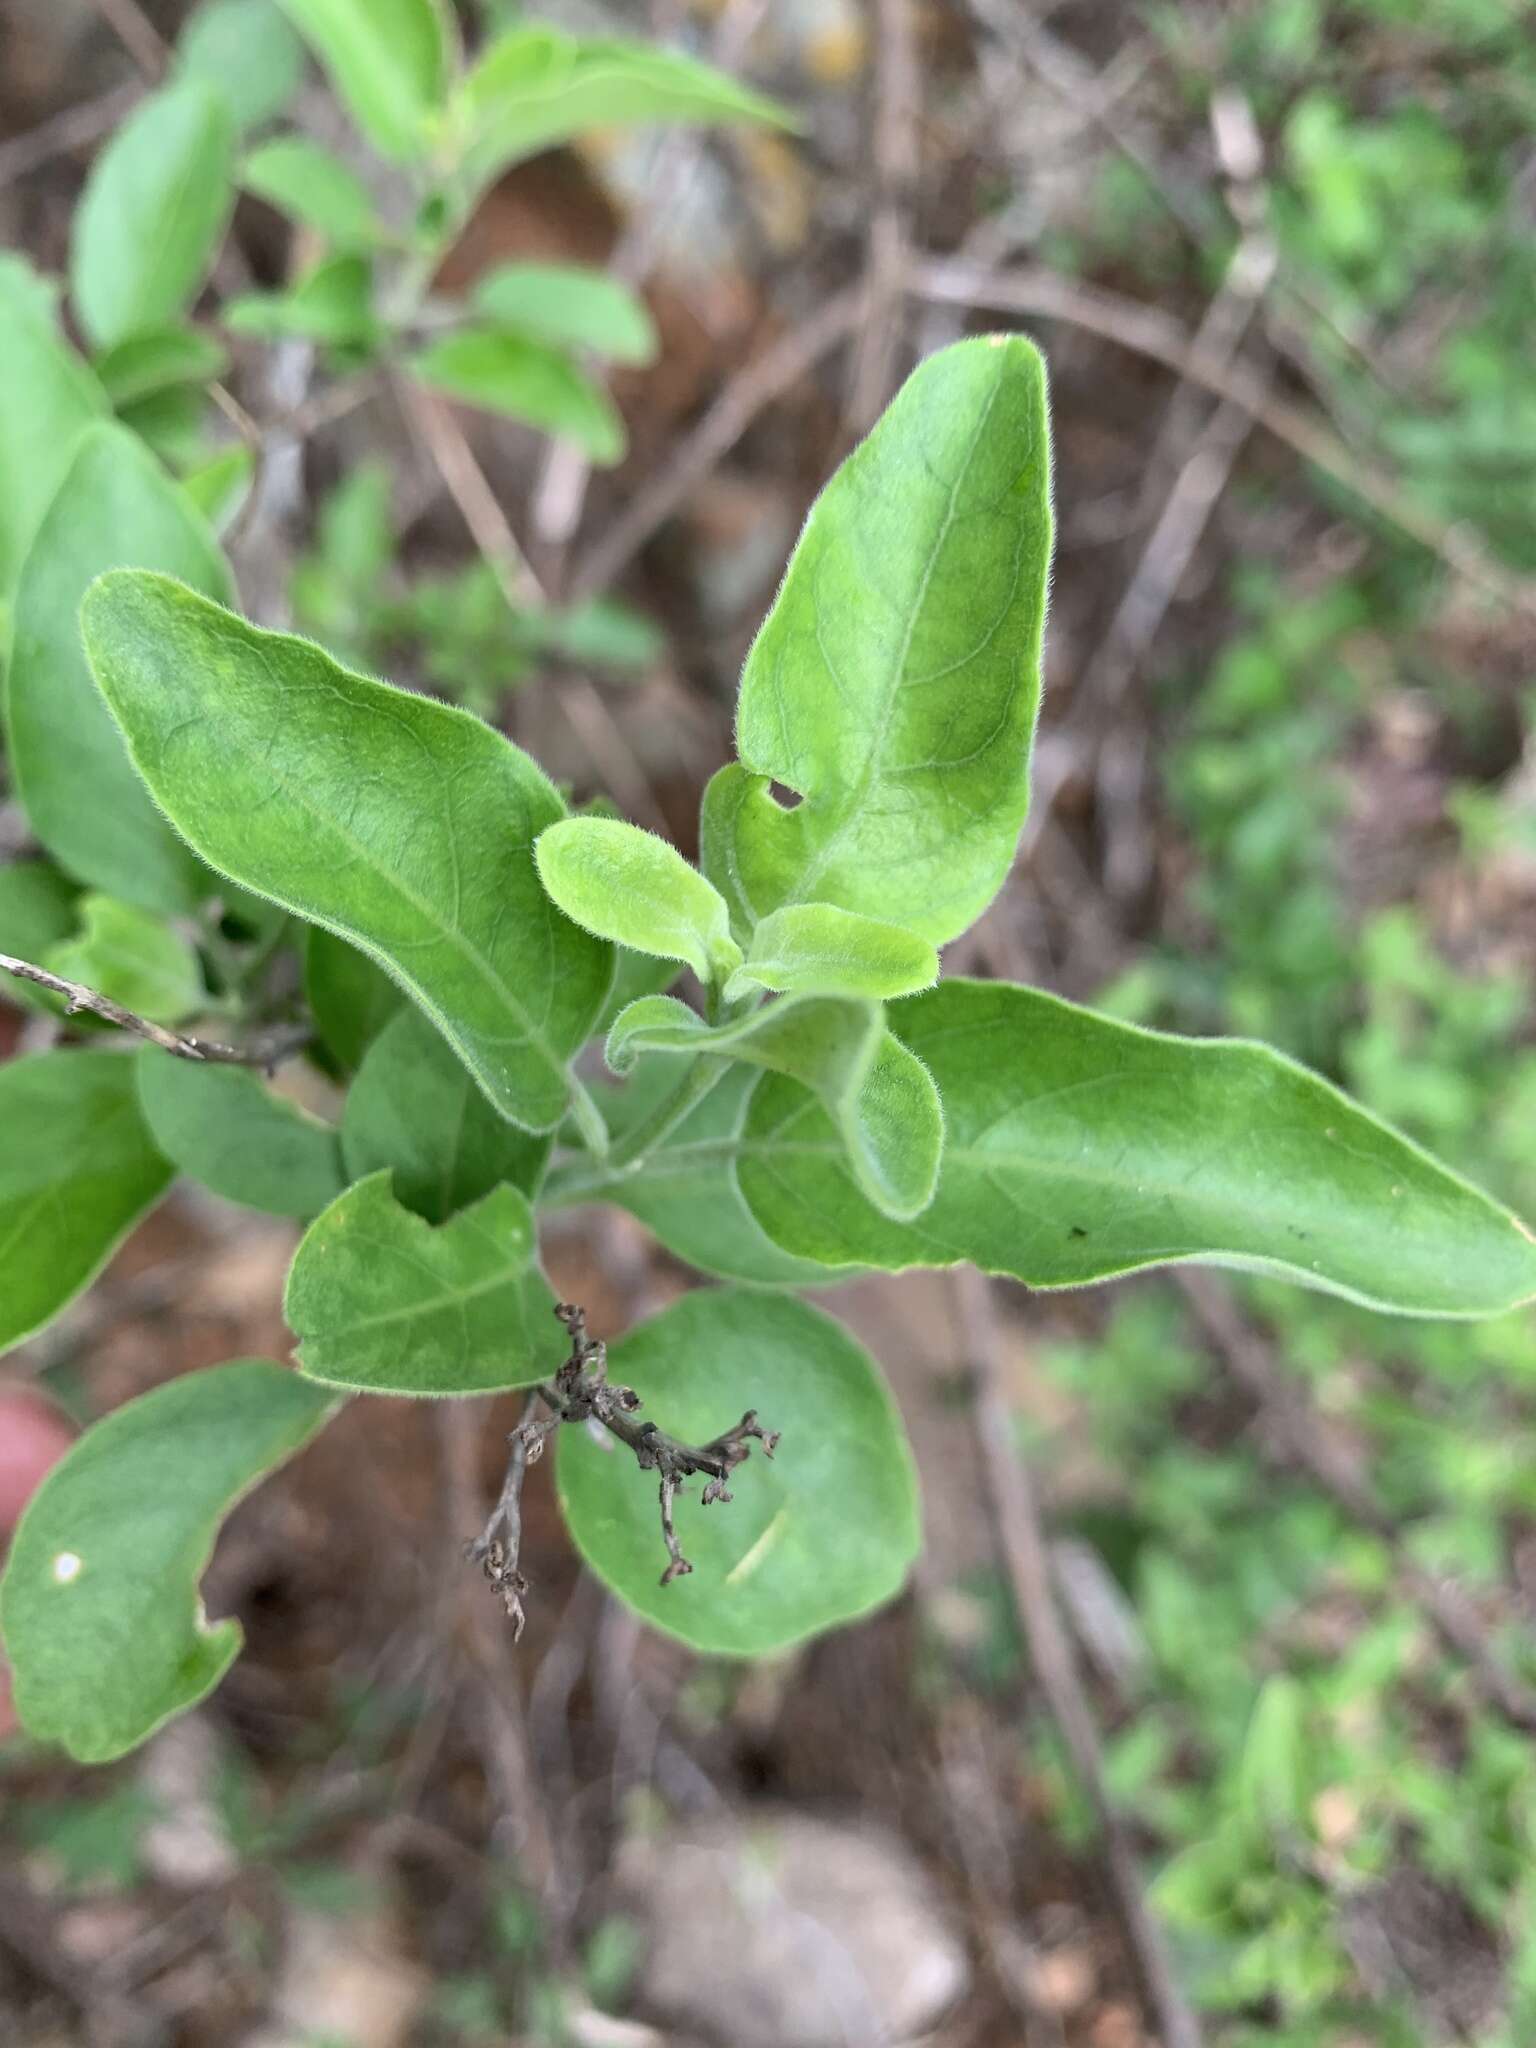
[[383, 886]]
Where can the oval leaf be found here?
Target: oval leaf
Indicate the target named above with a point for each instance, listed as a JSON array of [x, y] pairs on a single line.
[[507, 373], [383, 1303], [134, 958], [814, 949], [388, 60], [77, 1170], [153, 212], [414, 1109], [629, 885], [1079, 1148], [306, 182], [569, 308], [226, 1128], [820, 1534], [894, 685], [85, 802], [47, 399], [245, 51], [100, 1606], [404, 825]]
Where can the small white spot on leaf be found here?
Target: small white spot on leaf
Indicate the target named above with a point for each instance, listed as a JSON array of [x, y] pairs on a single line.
[[67, 1567]]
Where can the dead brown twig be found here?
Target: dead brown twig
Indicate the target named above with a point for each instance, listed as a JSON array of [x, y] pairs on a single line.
[[1020, 1538], [269, 1054], [73, 128], [1306, 1441], [894, 149], [138, 36]]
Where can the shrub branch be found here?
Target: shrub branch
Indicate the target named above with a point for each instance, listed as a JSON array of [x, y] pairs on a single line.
[[268, 1053]]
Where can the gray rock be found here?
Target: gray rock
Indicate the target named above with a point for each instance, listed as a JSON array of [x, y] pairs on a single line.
[[770, 1929]]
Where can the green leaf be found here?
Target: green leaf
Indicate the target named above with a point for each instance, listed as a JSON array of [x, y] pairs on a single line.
[[100, 1606], [403, 825], [686, 1192], [218, 486], [820, 1534], [244, 51], [311, 185], [84, 800], [47, 399], [389, 61], [569, 308], [146, 364], [332, 304], [503, 372], [1078, 1149], [631, 886], [38, 908], [77, 1171], [881, 1099], [814, 949], [535, 88], [634, 975], [152, 214], [226, 1128], [350, 999], [132, 957], [894, 684], [172, 424], [414, 1108], [383, 1303]]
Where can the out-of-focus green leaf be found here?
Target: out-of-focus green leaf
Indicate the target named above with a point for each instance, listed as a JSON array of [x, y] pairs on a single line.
[[569, 308], [145, 364], [389, 61], [226, 1128], [47, 400], [311, 185], [504, 372], [38, 907], [244, 51], [132, 957]]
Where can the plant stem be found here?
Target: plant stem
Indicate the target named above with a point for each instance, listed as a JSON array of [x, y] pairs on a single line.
[[577, 1181]]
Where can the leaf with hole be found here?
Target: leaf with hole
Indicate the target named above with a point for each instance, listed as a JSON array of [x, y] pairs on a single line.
[[632, 887], [403, 825], [1078, 1149], [821, 1533], [383, 1303], [100, 1607], [226, 1127], [895, 682], [81, 794], [78, 1168]]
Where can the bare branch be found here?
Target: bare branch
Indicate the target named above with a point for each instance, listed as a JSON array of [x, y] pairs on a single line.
[[267, 1054]]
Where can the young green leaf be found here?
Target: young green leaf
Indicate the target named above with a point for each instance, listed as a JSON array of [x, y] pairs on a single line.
[[84, 800], [382, 1303], [503, 372], [311, 185], [350, 999], [245, 51], [389, 61], [217, 487], [823, 1532], [332, 304], [165, 357], [132, 957], [1078, 1149], [537, 87], [569, 308], [47, 399], [634, 975], [226, 1128], [153, 212], [894, 684], [38, 908], [413, 1108], [99, 1606], [685, 1190], [404, 825], [77, 1171], [629, 885], [881, 1099], [814, 949]]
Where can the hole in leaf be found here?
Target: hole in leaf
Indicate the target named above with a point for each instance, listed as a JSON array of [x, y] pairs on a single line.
[[786, 798]]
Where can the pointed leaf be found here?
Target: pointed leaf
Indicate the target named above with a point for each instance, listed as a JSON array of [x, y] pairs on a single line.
[[132, 957], [569, 308], [311, 185], [1078, 1149], [153, 212], [84, 800], [77, 1171], [382, 1303], [228, 1129], [631, 886], [503, 372], [100, 1606], [823, 1532], [47, 399], [814, 949], [881, 1099], [894, 684], [388, 60], [404, 825], [414, 1109]]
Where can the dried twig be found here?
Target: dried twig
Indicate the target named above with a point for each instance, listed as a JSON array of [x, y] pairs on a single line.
[[1021, 1539], [269, 1054], [1306, 1440], [580, 1392], [894, 149], [138, 36]]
